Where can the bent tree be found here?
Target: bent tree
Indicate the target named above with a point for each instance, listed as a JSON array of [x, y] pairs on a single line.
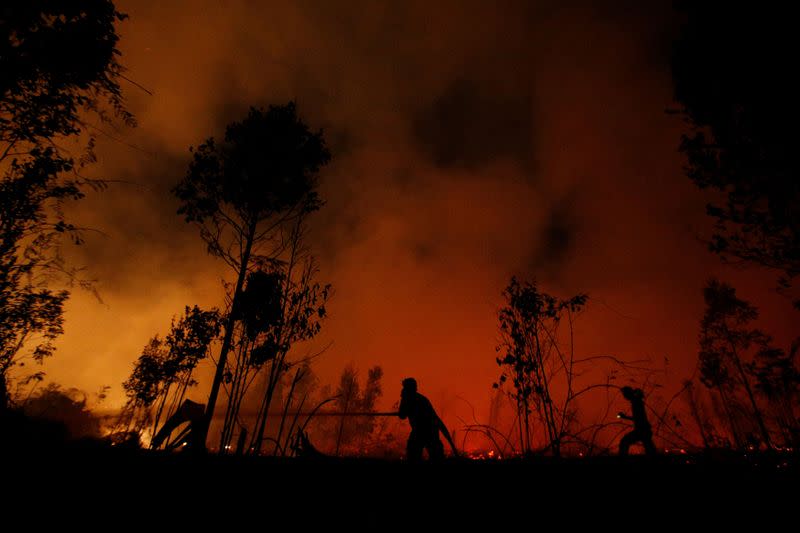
[[164, 371], [243, 193]]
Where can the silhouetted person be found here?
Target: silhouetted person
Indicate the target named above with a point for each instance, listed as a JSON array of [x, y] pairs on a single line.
[[642, 432], [425, 424]]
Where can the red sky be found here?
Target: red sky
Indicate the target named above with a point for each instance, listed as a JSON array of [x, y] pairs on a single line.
[[471, 140]]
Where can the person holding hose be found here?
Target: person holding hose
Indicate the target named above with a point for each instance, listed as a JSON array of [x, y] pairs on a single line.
[[425, 424]]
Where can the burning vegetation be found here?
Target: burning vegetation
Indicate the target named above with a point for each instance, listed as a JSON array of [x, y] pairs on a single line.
[[250, 196]]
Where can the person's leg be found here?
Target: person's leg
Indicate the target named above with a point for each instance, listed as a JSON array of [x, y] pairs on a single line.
[[649, 447], [626, 441], [435, 449], [414, 448]]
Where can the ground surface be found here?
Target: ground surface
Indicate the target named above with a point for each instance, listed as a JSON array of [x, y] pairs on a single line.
[[162, 492]]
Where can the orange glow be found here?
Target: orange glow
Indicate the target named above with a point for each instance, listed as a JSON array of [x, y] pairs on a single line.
[[418, 253]]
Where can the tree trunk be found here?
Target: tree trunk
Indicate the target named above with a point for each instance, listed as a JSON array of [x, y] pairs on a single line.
[[727, 408], [756, 411], [261, 419], [202, 436], [242, 440], [3, 395], [341, 424]]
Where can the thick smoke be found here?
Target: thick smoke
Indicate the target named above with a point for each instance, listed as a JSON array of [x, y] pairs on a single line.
[[471, 141]]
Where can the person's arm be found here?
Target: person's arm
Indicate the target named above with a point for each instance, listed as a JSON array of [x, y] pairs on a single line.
[[402, 411]]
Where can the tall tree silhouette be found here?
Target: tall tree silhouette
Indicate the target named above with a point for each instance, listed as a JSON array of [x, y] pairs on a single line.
[[243, 193], [302, 310], [58, 69], [778, 380], [734, 81], [728, 344], [253, 343], [278, 308], [534, 358]]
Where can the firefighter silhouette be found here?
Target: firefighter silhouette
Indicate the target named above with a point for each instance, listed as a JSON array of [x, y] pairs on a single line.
[[642, 432], [425, 424]]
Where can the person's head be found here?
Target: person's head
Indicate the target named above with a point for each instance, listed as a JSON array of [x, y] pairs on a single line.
[[629, 393], [409, 385]]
